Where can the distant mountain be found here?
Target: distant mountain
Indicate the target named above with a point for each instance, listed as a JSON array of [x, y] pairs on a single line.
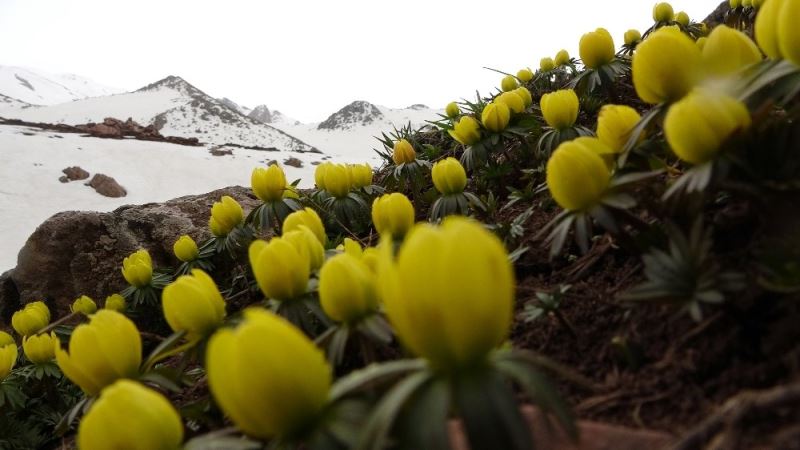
[[355, 114], [37, 87], [262, 114], [176, 108], [235, 106]]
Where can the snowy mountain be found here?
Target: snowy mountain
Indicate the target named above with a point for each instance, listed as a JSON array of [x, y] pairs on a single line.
[[235, 106], [176, 108], [358, 113], [262, 114], [41, 88]]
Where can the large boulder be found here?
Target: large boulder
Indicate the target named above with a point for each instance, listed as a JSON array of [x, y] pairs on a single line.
[[107, 186], [75, 253]]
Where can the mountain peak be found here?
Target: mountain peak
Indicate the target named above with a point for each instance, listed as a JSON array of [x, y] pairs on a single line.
[[171, 82], [357, 113], [261, 113]]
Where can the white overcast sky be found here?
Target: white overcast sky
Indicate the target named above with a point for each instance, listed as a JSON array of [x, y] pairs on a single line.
[[308, 58]]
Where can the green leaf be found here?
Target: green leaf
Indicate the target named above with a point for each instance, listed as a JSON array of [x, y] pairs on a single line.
[[374, 376]]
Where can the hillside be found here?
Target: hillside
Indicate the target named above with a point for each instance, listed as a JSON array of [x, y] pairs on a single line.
[[38, 87]]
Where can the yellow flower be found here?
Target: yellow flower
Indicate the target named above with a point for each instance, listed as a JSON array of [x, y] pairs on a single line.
[[347, 290], [495, 116], [393, 215], [280, 269], [596, 48], [747, 3], [508, 83], [614, 125], [192, 303], [351, 247], [560, 108], [309, 218], [632, 36], [562, 58], [319, 175], [268, 184], [371, 257], [727, 51], [102, 351], [450, 293], [8, 357], [466, 131], [40, 348], [511, 99], [452, 110], [185, 249], [699, 124], [735, 3], [30, 319], [306, 242], [137, 268], [226, 214], [361, 175], [525, 75], [547, 64], [776, 29], [525, 95], [598, 147], [337, 180], [701, 42], [6, 339], [84, 304], [115, 302], [403, 152], [577, 176], [665, 66], [449, 176], [267, 376], [682, 18], [131, 416], [663, 12]]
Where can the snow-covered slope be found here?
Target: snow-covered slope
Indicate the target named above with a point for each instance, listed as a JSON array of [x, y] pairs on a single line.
[[31, 161], [176, 108], [348, 135], [41, 88], [262, 114], [235, 106]]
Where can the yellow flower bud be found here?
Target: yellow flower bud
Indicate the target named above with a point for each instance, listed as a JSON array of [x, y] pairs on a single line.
[[8, 357], [525, 95], [280, 269], [351, 247], [614, 125], [115, 302], [309, 218], [747, 3], [632, 36], [6, 339], [449, 176], [347, 290], [361, 175], [131, 416], [560, 108], [665, 66], [185, 249], [453, 325], [102, 351], [466, 131], [727, 51], [577, 177], [495, 116], [30, 319], [701, 42], [268, 184], [371, 257], [596, 48], [663, 12], [508, 83], [767, 28], [306, 242], [319, 175], [403, 152], [525, 75], [699, 124], [562, 58], [137, 268], [393, 215], [226, 214], [511, 99], [599, 148], [735, 3], [192, 303], [452, 110], [40, 348], [84, 304], [267, 376], [546, 64], [682, 18], [337, 180]]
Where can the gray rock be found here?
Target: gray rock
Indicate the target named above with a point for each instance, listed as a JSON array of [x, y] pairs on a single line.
[[75, 173], [107, 186], [75, 253]]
